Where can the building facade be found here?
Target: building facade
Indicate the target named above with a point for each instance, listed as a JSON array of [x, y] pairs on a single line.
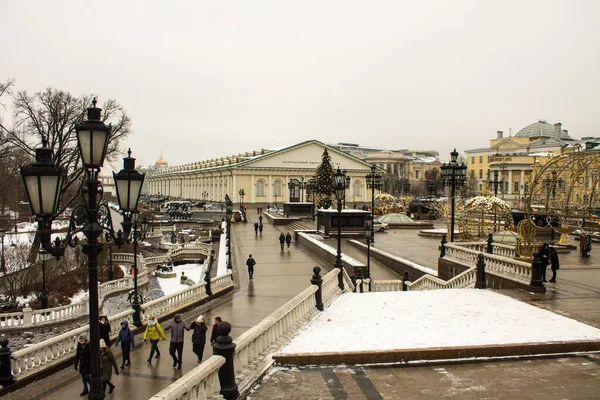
[[263, 175]]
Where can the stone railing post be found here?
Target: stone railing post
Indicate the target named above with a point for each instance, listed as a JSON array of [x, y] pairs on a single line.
[[6, 376], [443, 246], [405, 279], [225, 347], [85, 304], [27, 316], [536, 274], [317, 280], [480, 283], [490, 247]]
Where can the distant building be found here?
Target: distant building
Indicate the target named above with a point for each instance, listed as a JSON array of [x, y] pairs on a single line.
[[406, 171], [160, 165], [512, 158]]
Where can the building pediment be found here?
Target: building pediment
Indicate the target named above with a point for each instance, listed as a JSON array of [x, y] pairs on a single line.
[[305, 155], [508, 144]]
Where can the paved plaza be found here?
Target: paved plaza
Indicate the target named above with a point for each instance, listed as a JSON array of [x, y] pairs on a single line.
[[280, 275]]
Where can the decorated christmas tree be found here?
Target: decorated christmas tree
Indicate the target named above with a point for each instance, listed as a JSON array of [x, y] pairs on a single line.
[[325, 181]]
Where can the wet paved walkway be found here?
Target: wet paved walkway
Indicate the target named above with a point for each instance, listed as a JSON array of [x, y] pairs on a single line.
[[279, 276]]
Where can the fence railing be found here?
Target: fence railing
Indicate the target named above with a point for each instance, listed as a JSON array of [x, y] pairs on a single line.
[[498, 249], [465, 279], [201, 383], [49, 351], [505, 266]]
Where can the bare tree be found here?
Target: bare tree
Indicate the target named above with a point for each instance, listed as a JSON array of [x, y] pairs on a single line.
[[19, 276], [53, 114]]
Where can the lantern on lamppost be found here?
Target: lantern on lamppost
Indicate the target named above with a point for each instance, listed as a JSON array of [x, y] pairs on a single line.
[[340, 190], [454, 174]]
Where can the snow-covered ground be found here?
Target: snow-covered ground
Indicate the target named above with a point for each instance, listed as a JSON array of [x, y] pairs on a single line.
[[171, 285], [435, 318]]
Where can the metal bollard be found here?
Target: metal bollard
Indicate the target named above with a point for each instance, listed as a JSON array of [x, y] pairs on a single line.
[[490, 240], [405, 279], [443, 246], [225, 347], [6, 376], [480, 283], [536, 273], [317, 280]]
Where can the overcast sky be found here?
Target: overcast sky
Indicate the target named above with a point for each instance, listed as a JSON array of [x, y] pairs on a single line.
[[207, 79]]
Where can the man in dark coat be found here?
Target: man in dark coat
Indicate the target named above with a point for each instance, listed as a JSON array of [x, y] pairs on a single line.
[[82, 362], [177, 335], [281, 240], [198, 337], [215, 331], [126, 339], [554, 263], [250, 263]]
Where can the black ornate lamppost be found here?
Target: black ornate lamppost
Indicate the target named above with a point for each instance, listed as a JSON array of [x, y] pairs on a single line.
[[340, 190], [310, 191], [43, 184], [228, 214], [44, 256], [242, 194], [495, 184], [373, 182], [368, 237], [2, 259], [454, 174]]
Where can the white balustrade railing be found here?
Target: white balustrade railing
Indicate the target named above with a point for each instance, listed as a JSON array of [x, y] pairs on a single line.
[[40, 355], [201, 383], [253, 347], [329, 287], [466, 279], [498, 249], [505, 266], [386, 286], [65, 345]]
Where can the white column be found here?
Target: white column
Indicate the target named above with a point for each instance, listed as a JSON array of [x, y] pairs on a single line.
[[510, 182], [522, 188], [252, 191], [234, 186], [270, 190], [286, 190]]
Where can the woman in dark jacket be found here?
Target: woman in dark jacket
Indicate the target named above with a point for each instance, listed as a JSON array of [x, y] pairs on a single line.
[[107, 363], [126, 339], [199, 337], [544, 256], [554, 264], [82, 362], [105, 329]]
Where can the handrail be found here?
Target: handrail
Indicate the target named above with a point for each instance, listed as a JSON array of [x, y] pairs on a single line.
[[465, 279]]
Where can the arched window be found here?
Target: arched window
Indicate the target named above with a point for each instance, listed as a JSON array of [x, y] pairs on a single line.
[[356, 189], [260, 188], [277, 188]]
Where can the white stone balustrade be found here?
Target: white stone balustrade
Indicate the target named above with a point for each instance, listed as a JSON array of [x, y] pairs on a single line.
[[463, 280], [504, 266], [386, 286], [51, 351], [499, 249], [201, 383], [330, 288]]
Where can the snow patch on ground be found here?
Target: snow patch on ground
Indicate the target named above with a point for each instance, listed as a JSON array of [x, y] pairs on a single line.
[[435, 318], [171, 285]]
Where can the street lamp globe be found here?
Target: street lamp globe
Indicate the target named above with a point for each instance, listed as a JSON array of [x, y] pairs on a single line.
[[340, 183], [92, 138], [145, 225], [128, 183], [43, 183], [43, 255]]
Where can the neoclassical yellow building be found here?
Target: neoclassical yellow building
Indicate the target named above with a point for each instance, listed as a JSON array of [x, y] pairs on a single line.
[[263, 175], [512, 159]]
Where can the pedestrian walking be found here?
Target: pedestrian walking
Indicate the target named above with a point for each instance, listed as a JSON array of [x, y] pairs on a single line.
[[176, 347], [554, 264], [154, 332], [544, 256], [260, 219], [215, 330], [198, 337], [250, 263], [107, 363], [127, 343], [104, 329], [256, 229], [260, 227], [288, 240], [82, 362], [281, 240], [258, 210]]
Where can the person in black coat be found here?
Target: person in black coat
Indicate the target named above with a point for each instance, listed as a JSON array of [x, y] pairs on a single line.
[[281, 240], [255, 228], [104, 329], [198, 337], [544, 256], [215, 330], [250, 263], [288, 240], [82, 362], [554, 264]]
